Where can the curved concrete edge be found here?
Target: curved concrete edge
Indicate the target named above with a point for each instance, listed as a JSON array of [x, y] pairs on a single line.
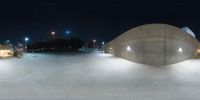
[[154, 44]]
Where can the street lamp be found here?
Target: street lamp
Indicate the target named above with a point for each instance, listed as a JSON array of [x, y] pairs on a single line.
[[53, 34], [26, 42], [67, 31], [103, 43], [26, 39], [103, 46], [94, 41]]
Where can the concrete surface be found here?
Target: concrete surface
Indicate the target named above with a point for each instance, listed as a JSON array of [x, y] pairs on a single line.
[[154, 44], [95, 76]]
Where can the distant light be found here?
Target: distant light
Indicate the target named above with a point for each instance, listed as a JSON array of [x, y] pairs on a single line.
[[67, 32], [128, 48], [7, 41], [110, 48], [5, 53], [52, 33], [180, 50], [26, 39], [198, 50], [103, 43], [94, 41]]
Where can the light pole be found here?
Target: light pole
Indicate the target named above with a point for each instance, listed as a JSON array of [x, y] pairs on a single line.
[[53, 34], [26, 42], [94, 43], [67, 34], [103, 46]]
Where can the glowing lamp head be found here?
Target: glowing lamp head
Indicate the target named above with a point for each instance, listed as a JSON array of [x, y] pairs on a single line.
[[103, 43], [52, 33], [94, 41], [180, 50], [26, 39], [67, 32]]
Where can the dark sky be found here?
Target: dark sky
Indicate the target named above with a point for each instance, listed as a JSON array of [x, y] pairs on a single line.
[[91, 19]]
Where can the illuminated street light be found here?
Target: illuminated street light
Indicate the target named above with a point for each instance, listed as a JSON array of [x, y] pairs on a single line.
[[26, 39], [26, 42], [94, 41], [53, 34], [103, 46], [67, 31]]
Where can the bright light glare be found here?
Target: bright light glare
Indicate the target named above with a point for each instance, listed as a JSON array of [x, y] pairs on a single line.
[[128, 48], [103, 43], [67, 32], [6, 53], [198, 50], [94, 41], [26, 39], [52, 33], [180, 50]]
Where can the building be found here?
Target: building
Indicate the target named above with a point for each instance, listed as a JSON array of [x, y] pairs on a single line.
[[5, 51], [155, 44]]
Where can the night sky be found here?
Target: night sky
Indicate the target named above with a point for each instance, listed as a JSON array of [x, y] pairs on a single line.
[[91, 19]]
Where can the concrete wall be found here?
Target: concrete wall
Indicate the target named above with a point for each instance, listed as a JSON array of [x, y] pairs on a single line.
[[154, 44]]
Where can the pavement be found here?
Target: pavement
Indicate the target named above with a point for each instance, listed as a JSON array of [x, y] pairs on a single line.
[[95, 76]]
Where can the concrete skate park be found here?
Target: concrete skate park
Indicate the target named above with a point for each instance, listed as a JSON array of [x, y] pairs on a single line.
[[96, 76], [155, 44], [104, 76]]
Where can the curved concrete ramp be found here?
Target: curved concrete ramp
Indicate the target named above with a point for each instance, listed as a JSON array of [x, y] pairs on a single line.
[[154, 44]]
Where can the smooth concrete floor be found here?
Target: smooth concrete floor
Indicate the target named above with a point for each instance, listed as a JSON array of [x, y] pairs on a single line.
[[95, 76]]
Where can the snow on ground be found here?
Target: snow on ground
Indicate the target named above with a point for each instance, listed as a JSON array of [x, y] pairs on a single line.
[[95, 76]]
